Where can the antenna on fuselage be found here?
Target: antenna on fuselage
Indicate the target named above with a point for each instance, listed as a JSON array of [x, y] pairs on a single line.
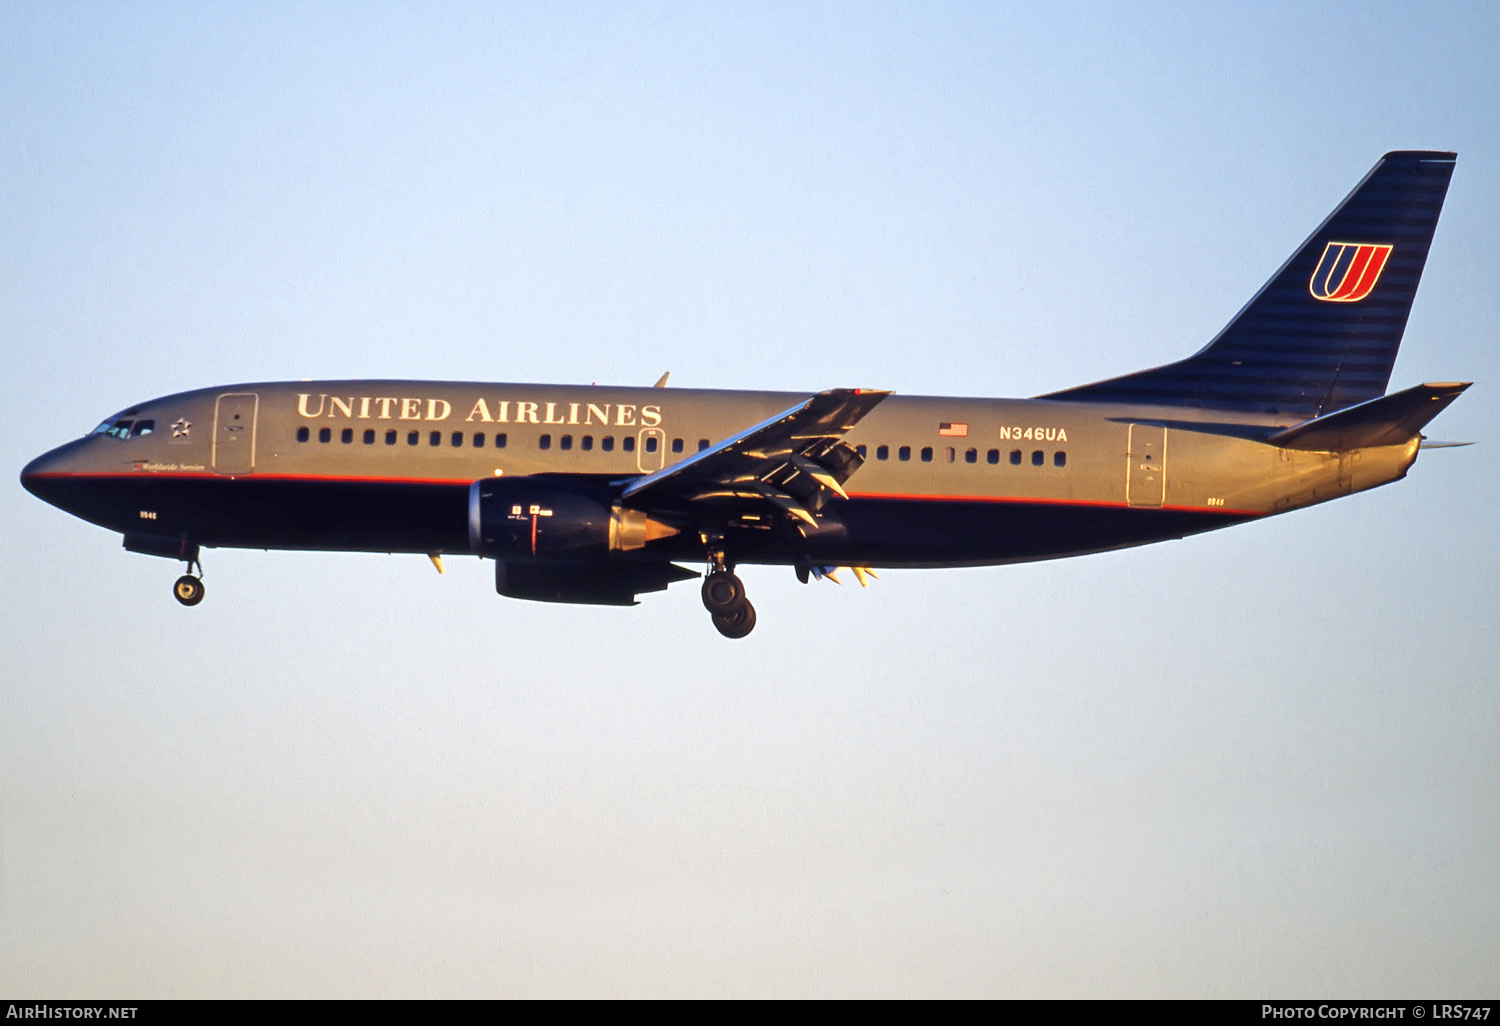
[[661, 382]]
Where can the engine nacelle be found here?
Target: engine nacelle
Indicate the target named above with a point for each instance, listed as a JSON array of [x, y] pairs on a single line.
[[527, 518], [591, 583]]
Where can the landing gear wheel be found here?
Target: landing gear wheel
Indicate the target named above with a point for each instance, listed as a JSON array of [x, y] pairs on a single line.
[[736, 621], [722, 591], [188, 590]]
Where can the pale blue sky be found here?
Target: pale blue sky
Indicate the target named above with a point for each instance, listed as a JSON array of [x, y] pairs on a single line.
[[1258, 762]]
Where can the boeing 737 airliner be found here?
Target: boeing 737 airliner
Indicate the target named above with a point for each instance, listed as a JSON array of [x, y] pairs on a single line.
[[595, 494]]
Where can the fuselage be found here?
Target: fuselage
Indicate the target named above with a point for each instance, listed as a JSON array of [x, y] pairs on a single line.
[[596, 495], [387, 466]]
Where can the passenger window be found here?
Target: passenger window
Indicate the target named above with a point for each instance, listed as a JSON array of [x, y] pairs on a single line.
[[500, 440], [479, 439], [861, 450], [369, 436], [993, 456], [142, 427], [586, 443], [1059, 459], [457, 439], [904, 453], [948, 454], [412, 437], [883, 452], [565, 442], [325, 434], [1038, 457], [628, 443], [971, 455], [926, 454], [1015, 457], [651, 445], [346, 436], [390, 437], [676, 445], [702, 444], [545, 442], [303, 434], [435, 438], [607, 443]]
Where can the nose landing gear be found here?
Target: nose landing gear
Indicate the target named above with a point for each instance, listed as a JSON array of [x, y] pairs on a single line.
[[189, 587], [188, 590]]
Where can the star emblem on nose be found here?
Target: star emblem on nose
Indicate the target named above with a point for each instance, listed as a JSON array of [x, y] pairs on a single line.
[[180, 429]]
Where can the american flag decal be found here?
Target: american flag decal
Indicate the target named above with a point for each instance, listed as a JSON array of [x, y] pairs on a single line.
[[953, 429], [1348, 271]]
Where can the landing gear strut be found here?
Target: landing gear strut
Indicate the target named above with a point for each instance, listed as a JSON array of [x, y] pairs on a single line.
[[189, 588], [724, 598]]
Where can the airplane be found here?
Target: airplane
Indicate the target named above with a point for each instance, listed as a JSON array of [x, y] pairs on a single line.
[[596, 494]]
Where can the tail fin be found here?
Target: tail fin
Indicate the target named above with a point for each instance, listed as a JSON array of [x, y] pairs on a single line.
[[1322, 334]]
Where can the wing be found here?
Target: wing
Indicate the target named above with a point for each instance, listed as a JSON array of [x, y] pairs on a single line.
[[795, 461]]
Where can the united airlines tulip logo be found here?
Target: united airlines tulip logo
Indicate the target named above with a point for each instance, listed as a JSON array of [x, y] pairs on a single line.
[[1348, 271]]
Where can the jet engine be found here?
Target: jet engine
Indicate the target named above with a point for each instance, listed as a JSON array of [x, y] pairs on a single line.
[[553, 543], [529, 519]]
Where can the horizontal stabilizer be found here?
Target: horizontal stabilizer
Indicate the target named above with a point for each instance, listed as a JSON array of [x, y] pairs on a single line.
[[1390, 420]]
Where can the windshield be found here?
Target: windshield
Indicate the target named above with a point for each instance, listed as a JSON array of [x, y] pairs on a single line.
[[124, 428]]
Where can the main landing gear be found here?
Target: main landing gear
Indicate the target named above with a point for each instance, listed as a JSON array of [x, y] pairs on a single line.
[[189, 587], [724, 598]]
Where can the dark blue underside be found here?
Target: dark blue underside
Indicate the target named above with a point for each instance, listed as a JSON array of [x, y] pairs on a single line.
[[388, 517]]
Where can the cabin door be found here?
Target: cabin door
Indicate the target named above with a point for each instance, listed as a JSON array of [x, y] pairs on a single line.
[[234, 433], [1146, 466]]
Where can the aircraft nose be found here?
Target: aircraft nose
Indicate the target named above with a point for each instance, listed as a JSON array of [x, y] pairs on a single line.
[[40, 476], [31, 474]]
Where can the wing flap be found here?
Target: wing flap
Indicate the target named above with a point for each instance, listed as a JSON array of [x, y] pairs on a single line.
[[795, 461]]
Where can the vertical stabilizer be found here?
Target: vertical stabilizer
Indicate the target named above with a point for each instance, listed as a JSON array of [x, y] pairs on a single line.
[[1323, 333]]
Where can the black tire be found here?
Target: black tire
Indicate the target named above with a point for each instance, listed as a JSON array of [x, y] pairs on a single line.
[[188, 590], [722, 591], [737, 621]]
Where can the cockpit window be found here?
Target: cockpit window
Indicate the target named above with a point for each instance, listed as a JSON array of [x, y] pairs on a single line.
[[124, 428]]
